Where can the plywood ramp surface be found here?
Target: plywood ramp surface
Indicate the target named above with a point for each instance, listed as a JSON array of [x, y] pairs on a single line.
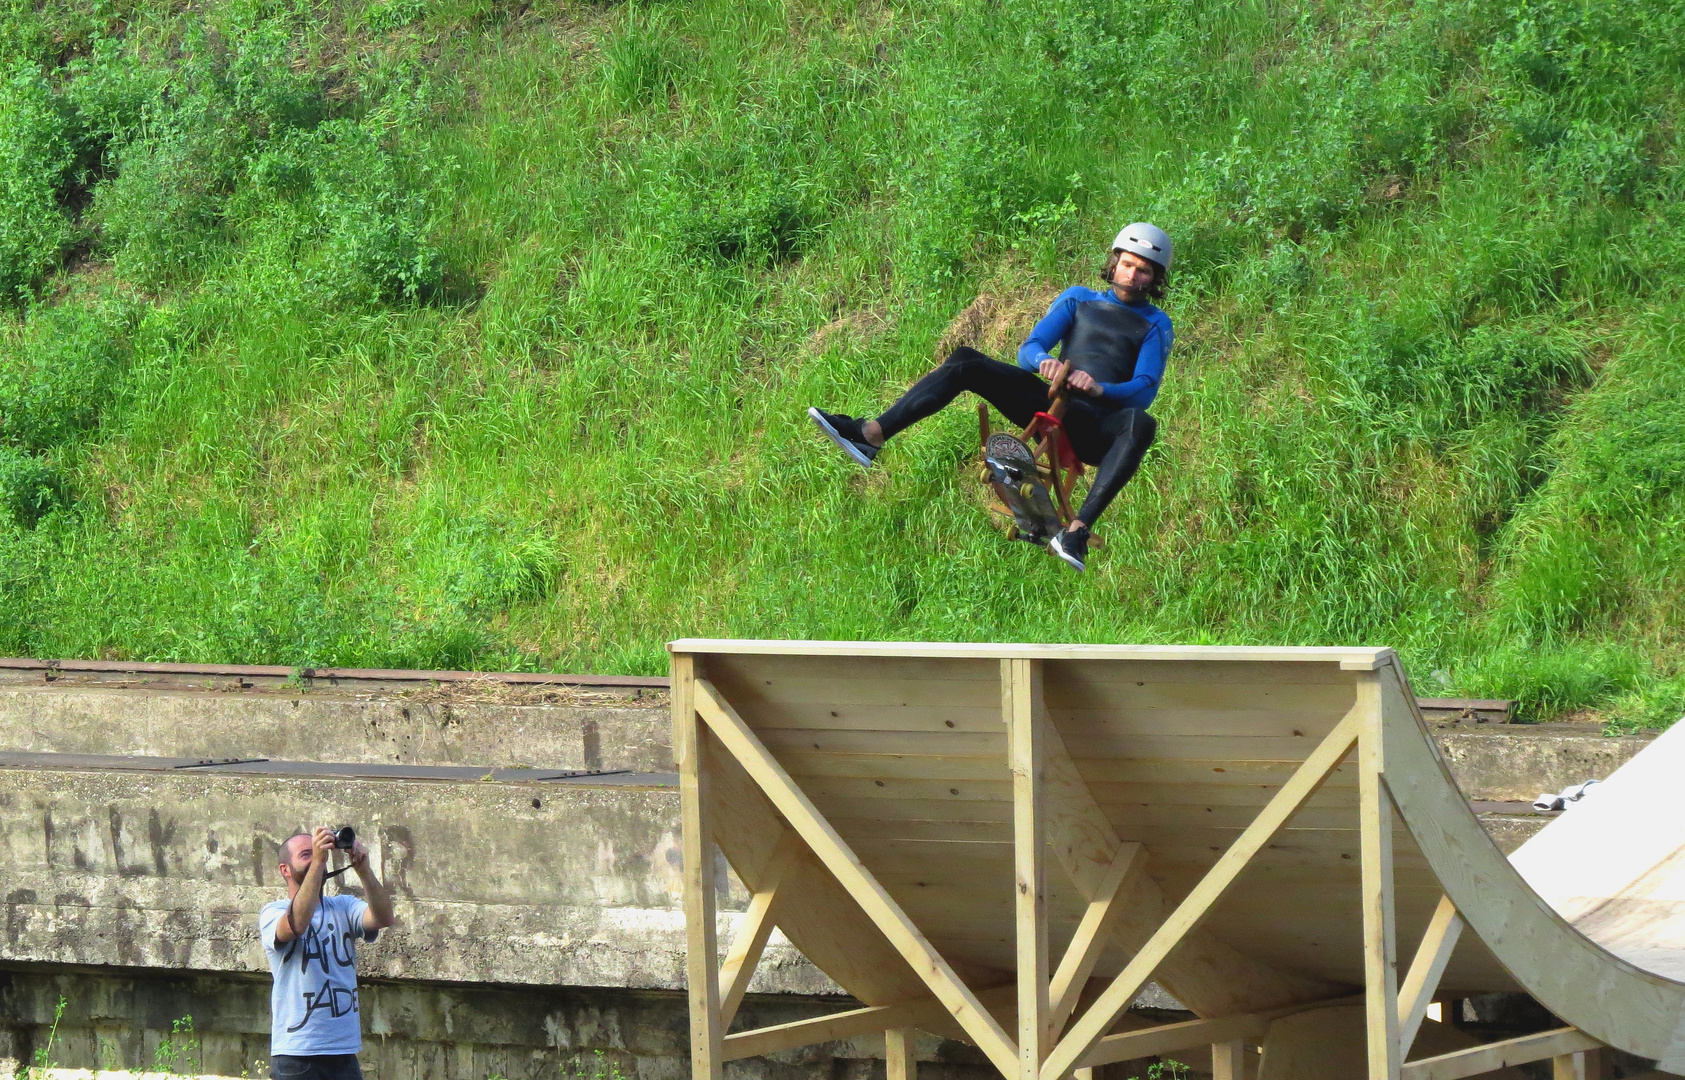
[[1614, 864], [903, 750]]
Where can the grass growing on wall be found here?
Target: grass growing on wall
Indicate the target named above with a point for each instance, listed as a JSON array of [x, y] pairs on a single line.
[[450, 333]]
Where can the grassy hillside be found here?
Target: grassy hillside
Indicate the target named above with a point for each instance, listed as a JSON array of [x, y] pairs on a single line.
[[475, 333]]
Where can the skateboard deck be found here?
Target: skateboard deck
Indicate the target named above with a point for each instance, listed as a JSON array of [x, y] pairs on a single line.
[[1011, 471]]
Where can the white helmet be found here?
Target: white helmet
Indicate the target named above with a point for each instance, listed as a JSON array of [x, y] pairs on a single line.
[[1146, 240]]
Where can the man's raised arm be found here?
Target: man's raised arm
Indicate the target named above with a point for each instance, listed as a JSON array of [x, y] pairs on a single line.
[[309, 894], [379, 913]]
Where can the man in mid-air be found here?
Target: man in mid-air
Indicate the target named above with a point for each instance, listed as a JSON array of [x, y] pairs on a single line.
[[311, 941], [1116, 341]]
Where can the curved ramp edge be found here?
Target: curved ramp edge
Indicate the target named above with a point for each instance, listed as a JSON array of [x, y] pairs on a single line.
[[1589, 987]]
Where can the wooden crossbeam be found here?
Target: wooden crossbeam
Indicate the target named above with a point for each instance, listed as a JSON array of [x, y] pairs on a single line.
[[1171, 1038], [1093, 932], [1484, 1059], [818, 1029], [742, 743], [1305, 781], [846, 1025], [1415, 994], [758, 922]]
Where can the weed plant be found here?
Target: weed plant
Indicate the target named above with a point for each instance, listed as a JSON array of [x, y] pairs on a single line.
[[462, 333]]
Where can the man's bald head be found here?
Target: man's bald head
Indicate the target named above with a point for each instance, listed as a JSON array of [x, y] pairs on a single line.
[[295, 857]]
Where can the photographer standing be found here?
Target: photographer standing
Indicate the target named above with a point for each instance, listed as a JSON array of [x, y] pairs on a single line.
[[310, 940]]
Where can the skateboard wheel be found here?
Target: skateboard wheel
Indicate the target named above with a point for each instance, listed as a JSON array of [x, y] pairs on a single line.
[[1012, 532], [1027, 489]]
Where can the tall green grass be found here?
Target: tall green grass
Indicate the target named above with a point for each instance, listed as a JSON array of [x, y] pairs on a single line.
[[459, 333]]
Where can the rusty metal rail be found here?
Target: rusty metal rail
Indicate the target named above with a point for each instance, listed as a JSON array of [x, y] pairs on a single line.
[[246, 676]]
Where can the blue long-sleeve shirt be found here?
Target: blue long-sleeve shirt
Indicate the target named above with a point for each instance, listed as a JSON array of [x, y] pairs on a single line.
[[1055, 326]]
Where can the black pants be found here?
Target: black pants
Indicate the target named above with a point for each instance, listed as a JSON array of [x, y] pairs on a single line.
[[315, 1067], [1111, 439]]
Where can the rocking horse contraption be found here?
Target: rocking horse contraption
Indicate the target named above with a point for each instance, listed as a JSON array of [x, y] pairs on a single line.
[[1028, 472]]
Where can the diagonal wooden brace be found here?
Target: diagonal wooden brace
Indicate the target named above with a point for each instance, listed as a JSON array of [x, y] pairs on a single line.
[[750, 942], [840, 859], [1116, 998], [1432, 955], [1093, 932]]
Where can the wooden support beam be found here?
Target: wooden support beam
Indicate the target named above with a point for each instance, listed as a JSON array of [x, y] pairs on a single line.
[[1434, 952], [1380, 934], [985, 1031], [1484, 1059], [1024, 713], [701, 947], [747, 946], [1171, 1038], [899, 1062], [818, 1029], [1092, 933], [1585, 1065], [1305, 781], [1207, 975], [1228, 1060], [846, 1025]]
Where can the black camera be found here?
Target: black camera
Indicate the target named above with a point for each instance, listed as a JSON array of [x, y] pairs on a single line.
[[345, 838]]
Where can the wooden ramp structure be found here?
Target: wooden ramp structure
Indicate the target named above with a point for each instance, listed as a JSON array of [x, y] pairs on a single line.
[[1005, 843]]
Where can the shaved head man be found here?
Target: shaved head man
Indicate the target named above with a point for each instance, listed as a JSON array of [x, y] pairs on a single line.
[[311, 942]]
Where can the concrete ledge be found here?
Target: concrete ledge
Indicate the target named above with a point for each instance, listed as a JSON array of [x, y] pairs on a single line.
[[1504, 762], [299, 726], [1515, 762]]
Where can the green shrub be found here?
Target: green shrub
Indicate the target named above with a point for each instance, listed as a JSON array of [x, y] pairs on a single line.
[[161, 215], [29, 487], [340, 206], [37, 157], [58, 374]]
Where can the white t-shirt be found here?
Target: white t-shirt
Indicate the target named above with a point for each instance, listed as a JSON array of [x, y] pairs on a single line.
[[313, 1006]]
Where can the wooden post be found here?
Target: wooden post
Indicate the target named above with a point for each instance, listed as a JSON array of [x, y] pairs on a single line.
[[1380, 935], [1022, 709], [1585, 1065], [701, 948], [899, 1061], [1228, 1060]]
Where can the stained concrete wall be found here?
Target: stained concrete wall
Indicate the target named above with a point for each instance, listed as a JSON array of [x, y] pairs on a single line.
[[496, 882], [1515, 762]]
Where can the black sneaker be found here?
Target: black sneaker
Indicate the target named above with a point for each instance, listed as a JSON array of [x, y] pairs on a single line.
[[845, 432], [1072, 546]]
